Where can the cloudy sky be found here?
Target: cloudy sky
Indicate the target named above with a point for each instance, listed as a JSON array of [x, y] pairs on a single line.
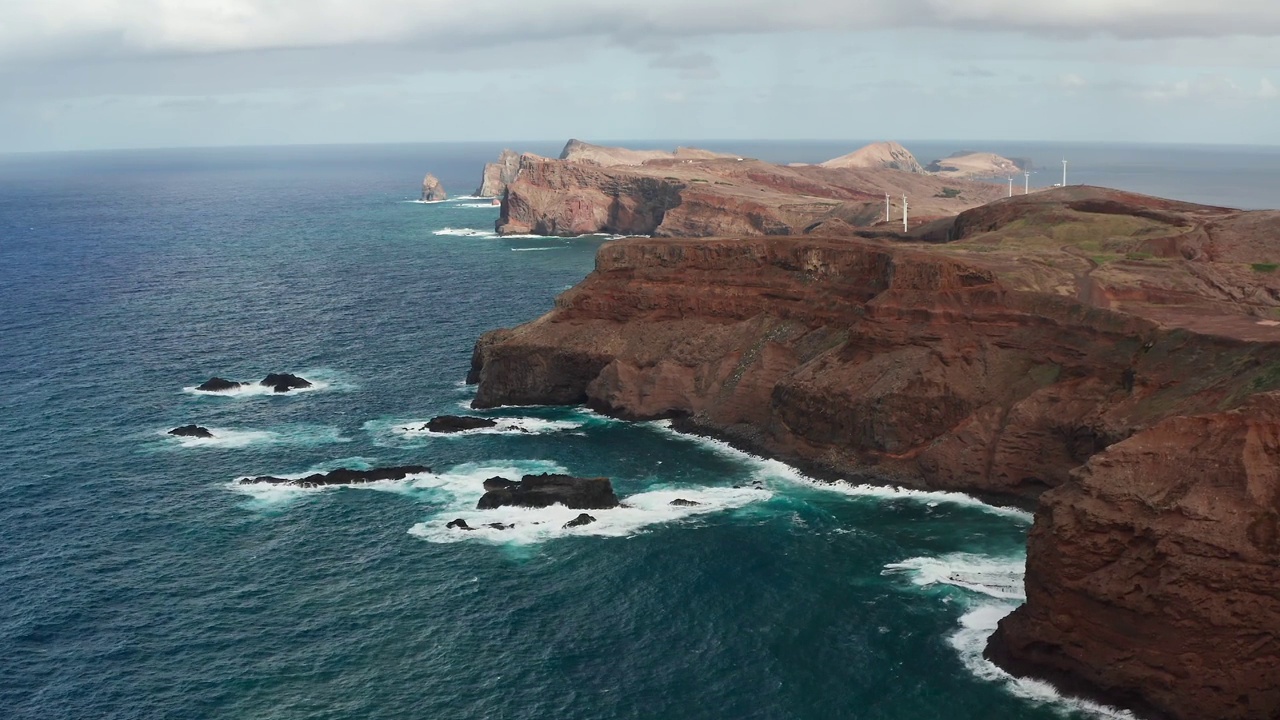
[[78, 74]]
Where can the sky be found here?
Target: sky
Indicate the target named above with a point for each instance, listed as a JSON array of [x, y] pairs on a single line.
[[97, 74]]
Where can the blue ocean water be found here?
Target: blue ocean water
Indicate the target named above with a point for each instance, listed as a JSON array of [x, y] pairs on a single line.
[[137, 580]]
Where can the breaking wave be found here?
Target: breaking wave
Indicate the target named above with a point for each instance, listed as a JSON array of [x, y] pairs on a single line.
[[464, 484], [465, 232], [990, 588], [320, 379], [505, 426], [232, 438], [780, 469]]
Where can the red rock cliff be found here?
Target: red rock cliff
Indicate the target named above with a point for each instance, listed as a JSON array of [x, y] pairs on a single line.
[[1154, 578], [997, 363]]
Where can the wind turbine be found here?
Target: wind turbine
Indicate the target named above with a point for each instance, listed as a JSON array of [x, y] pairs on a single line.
[[904, 212], [1064, 172], [1010, 186], [886, 207], [1026, 182]]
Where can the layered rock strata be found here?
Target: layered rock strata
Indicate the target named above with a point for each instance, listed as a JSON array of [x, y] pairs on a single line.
[[994, 352], [1153, 579]]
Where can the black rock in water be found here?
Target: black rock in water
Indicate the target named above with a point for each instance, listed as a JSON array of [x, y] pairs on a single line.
[[194, 431], [458, 423], [500, 483], [284, 382], [681, 502], [342, 476], [217, 384], [459, 524], [500, 526], [537, 491], [583, 519]]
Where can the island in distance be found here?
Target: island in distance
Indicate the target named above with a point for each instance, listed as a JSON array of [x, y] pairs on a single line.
[[691, 192]]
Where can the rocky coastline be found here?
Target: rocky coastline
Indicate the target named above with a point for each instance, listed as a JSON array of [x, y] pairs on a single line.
[[1109, 356]]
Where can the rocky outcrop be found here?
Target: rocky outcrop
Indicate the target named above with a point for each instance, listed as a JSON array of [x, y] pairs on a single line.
[[457, 423], [1153, 579], [217, 384], [284, 382], [342, 476], [194, 431], [881, 155], [498, 175], [989, 353], [583, 519], [538, 491], [432, 190]]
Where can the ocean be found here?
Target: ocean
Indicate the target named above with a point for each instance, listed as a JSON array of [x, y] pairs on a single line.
[[138, 580]]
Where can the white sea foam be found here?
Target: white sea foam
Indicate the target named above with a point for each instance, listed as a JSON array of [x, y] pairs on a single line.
[[274, 495], [232, 438], [534, 525], [536, 249], [505, 426], [426, 202], [223, 438], [465, 232], [993, 577], [976, 627], [994, 588], [320, 378], [487, 206], [253, 389], [775, 468]]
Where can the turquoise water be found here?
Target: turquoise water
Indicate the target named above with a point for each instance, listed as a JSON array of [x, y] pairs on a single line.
[[138, 581]]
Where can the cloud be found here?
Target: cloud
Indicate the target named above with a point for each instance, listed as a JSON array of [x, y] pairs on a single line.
[[1209, 87], [692, 65], [53, 29], [1072, 81]]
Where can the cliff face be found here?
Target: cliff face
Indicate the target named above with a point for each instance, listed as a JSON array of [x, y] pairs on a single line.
[[553, 197], [432, 190], [849, 356], [498, 175], [996, 362], [1154, 578]]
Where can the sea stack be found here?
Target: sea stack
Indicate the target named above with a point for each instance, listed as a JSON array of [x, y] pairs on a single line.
[[432, 190]]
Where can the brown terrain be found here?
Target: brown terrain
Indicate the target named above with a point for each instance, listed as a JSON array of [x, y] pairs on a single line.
[[1114, 350], [697, 193]]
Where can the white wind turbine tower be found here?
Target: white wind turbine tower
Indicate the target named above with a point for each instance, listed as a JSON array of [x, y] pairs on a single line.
[[1026, 182], [1064, 172], [1010, 186], [886, 207], [904, 212]]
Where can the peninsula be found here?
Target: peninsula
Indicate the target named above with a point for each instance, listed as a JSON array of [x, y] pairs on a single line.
[[698, 193], [1111, 357]]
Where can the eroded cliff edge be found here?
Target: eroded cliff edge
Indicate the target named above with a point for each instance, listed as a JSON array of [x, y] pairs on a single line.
[[997, 352]]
